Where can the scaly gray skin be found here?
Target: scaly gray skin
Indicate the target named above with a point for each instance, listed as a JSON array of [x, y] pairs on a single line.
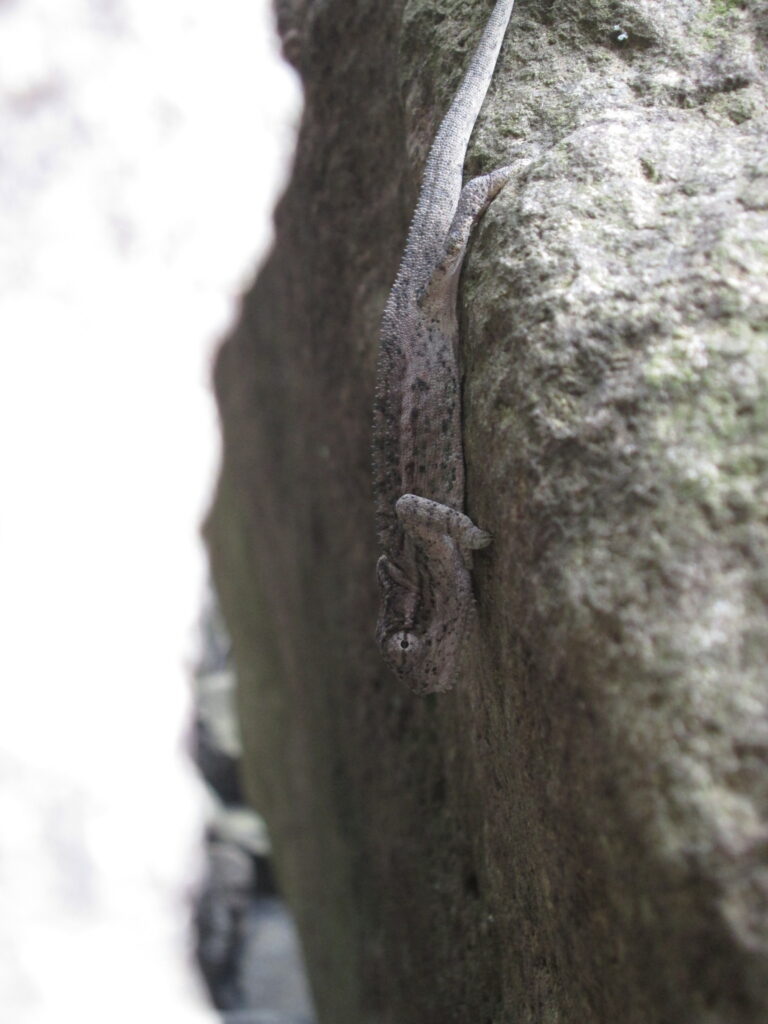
[[418, 456]]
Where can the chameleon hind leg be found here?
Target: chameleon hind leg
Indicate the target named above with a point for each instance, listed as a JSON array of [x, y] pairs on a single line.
[[476, 196]]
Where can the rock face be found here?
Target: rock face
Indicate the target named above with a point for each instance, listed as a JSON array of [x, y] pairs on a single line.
[[578, 832]]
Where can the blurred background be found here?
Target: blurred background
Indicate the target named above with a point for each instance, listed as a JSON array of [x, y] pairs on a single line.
[[144, 145]]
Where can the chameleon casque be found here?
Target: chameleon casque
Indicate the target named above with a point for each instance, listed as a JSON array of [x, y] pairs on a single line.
[[427, 541]]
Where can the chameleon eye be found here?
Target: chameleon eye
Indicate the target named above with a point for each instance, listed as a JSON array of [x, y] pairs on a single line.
[[401, 646]]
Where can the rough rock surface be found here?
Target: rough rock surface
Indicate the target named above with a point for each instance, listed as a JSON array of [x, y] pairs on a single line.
[[579, 831]]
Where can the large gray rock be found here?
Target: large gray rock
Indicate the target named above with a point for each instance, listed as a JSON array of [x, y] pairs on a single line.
[[579, 831]]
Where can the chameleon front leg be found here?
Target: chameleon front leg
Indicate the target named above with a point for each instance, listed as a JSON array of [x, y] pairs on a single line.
[[429, 522], [424, 619]]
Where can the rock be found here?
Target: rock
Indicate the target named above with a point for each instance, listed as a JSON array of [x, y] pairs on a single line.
[[577, 832]]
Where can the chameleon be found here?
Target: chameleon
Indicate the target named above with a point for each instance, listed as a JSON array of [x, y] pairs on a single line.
[[424, 573]]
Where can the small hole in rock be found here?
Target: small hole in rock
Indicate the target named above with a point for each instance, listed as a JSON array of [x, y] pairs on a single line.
[[471, 884]]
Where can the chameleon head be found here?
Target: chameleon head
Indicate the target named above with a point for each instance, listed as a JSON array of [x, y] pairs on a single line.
[[422, 625]]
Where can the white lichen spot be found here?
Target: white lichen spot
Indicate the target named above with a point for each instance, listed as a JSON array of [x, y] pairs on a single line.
[[676, 359], [666, 77]]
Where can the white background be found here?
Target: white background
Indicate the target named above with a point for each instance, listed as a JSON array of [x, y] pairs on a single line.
[[142, 146]]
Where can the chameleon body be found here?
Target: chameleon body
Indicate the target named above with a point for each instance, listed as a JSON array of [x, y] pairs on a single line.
[[425, 571]]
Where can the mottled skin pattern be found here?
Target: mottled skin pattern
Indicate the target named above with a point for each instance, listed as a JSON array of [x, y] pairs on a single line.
[[424, 573]]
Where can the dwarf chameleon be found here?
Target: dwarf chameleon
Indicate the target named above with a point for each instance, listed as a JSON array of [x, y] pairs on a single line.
[[418, 458]]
